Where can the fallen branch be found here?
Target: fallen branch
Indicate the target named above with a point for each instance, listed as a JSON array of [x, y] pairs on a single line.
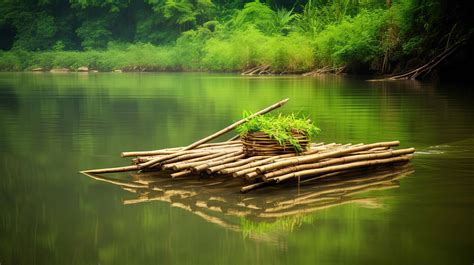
[[326, 70], [428, 67]]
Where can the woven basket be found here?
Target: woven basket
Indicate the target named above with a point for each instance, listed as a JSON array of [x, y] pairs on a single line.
[[260, 144]]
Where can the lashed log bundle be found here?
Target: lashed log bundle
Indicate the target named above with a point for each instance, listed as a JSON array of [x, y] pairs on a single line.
[[262, 169], [318, 161]]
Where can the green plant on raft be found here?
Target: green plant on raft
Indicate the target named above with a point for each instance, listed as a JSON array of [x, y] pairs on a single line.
[[280, 127]]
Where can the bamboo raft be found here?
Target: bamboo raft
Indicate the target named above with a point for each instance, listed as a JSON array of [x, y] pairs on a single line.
[[230, 159]]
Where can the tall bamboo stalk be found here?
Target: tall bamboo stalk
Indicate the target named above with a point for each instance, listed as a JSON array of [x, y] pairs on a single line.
[[215, 135]]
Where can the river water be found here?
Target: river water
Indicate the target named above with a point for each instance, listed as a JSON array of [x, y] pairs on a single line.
[[54, 125]]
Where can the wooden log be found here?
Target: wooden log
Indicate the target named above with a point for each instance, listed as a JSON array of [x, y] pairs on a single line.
[[244, 172], [194, 164], [251, 175], [233, 164], [204, 147], [234, 138], [231, 170], [226, 171], [250, 168], [181, 173], [371, 151], [215, 135], [143, 159], [167, 166], [234, 125], [128, 184], [176, 149], [187, 157], [195, 153], [334, 161], [317, 157], [341, 167], [250, 187], [219, 151], [216, 163], [332, 174], [261, 162], [150, 153], [111, 170]]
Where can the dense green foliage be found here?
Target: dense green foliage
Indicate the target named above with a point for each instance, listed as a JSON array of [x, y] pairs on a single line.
[[281, 128], [157, 35]]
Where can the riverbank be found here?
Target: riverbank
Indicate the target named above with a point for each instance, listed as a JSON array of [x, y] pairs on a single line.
[[298, 58], [288, 57], [253, 38]]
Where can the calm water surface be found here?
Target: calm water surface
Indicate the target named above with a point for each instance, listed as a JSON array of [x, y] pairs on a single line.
[[52, 126]]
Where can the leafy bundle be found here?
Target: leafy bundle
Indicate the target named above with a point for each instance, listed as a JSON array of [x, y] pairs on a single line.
[[280, 127]]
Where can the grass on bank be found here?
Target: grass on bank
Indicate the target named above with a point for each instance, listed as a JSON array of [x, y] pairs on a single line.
[[318, 35], [243, 50], [224, 48]]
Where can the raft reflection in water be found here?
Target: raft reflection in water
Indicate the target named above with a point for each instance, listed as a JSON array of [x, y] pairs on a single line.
[[217, 200]]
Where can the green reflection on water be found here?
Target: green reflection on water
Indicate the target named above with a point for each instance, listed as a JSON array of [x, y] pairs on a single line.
[[55, 125]]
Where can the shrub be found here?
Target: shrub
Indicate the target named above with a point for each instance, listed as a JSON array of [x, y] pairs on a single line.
[[241, 51], [10, 62], [293, 53], [353, 40]]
